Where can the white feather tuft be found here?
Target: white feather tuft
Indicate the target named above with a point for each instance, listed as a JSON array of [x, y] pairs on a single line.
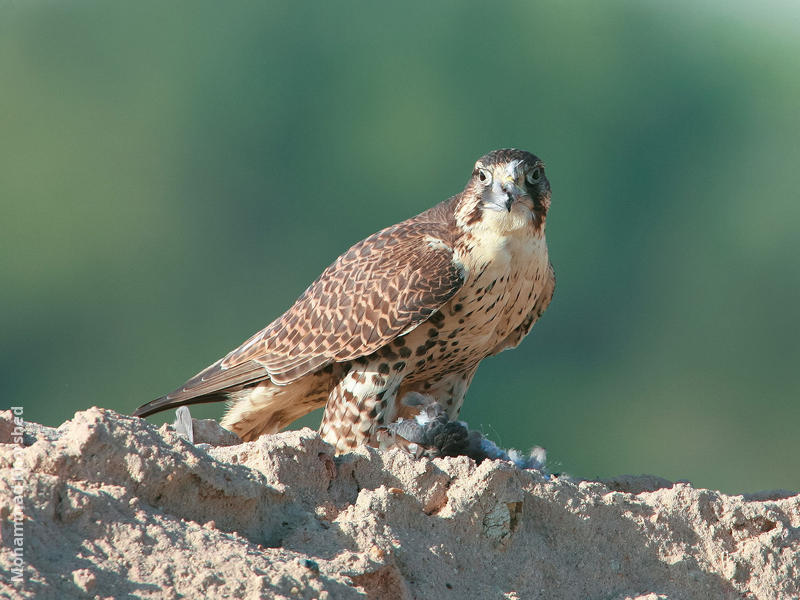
[[183, 423]]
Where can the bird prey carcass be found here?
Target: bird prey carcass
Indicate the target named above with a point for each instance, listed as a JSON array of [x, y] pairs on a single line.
[[413, 308]]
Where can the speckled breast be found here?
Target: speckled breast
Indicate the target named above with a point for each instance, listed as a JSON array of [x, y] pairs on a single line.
[[495, 300]]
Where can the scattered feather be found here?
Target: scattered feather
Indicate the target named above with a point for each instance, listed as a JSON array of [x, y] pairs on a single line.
[[183, 423]]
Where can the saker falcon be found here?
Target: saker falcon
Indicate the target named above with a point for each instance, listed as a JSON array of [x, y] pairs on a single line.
[[410, 311]]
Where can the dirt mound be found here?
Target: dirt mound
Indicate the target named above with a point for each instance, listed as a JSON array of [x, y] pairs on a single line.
[[114, 507]]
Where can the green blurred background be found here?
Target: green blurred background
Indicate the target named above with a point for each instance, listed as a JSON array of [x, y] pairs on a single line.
[[172, 176]]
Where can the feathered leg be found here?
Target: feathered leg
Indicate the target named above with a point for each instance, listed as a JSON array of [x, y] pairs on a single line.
[[362, 401]]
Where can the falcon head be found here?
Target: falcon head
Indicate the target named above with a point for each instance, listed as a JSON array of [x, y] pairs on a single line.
[[508, 191]]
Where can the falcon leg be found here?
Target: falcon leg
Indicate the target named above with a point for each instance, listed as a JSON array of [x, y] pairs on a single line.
[[362, 401]]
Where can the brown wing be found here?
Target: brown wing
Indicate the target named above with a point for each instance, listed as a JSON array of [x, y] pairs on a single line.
[[381, 288]]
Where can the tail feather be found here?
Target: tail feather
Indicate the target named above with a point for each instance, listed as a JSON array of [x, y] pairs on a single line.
[[167, 402], [214, 384], [256, 405]]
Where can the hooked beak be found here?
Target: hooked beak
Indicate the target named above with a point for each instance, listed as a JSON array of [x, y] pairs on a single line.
[[505, 192]]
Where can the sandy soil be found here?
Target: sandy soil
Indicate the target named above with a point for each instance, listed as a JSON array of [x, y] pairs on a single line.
[[114, 508]]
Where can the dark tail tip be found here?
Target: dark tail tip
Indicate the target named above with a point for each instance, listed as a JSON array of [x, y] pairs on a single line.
[[152, 407], [167, 402]]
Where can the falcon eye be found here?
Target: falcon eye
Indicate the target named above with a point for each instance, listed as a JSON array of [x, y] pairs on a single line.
[[484, 176], [535, 175]]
